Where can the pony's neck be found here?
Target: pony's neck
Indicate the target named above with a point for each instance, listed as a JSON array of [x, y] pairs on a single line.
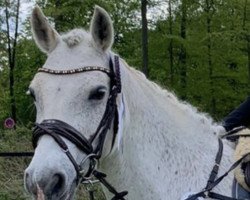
[[157, 138], [148, 103]]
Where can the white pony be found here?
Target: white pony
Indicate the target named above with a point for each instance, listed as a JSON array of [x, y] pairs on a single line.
[[165, 148]]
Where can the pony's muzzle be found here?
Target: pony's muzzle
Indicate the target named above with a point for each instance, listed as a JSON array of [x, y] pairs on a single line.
[[51, 184]]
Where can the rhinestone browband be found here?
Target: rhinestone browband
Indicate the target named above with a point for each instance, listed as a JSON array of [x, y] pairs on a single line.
[[74, 71]]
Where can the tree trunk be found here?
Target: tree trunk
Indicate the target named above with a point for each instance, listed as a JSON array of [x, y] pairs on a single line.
[[248, 58], [170, 47], [12, 56], [247, 38], [58, 17], [144, 37], [183, 54], [209, 56]]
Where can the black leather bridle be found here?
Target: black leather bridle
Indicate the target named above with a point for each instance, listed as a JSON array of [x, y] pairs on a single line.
[[58, 129]]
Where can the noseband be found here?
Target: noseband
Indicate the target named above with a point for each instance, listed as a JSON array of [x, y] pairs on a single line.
[[58, 129]]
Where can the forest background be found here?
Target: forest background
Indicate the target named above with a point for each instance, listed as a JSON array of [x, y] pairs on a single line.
[[198, 49]]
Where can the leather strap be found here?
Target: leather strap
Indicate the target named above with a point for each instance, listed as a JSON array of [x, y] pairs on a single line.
[[59, 141], [101, 177], [215, 169], [212, 182], [53, 126]]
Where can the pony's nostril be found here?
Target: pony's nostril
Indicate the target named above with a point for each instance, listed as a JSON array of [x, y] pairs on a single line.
[[57, 183], [28, 182], [51, 185], [26, 178], [26, 175]]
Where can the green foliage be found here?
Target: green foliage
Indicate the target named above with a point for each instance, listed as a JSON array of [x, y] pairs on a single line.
[[11, 169], [228, 54], [4, 96], [29, 59]]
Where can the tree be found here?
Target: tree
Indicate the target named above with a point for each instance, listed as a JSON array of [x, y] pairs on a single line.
[[209, 9], [11, 50], [170, 47], [246, 34], [183, 53], [144, 37]]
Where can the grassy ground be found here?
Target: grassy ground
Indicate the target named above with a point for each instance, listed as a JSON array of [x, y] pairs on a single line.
[[11, 169]]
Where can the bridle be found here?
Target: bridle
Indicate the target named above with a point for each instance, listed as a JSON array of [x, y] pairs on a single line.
[[58, 129]]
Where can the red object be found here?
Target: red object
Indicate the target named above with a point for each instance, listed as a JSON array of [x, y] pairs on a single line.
[[9, 123]]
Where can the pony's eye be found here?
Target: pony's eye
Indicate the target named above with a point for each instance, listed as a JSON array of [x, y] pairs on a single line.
[[97, 94], [31, 93]]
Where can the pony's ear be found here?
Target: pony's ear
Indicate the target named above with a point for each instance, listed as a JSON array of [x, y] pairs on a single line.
[[102, 29], [45, 36]]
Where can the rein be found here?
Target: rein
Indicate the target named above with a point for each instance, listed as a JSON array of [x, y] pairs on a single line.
[[212, 181], [58, 129]]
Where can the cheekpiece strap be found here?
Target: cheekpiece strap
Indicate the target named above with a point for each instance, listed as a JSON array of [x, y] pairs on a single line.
[[118, 74]]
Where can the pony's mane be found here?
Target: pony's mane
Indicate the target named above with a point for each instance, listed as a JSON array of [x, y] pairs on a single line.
[[172, 98], [76, 36]]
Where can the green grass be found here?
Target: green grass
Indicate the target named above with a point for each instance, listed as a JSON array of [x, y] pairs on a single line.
[[11, 169]]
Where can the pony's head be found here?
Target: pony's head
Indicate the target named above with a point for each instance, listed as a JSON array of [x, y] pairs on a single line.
[[72, 104]]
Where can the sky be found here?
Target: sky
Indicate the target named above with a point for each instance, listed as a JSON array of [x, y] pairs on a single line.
[[25, 9], [159, 11], [153, 14]]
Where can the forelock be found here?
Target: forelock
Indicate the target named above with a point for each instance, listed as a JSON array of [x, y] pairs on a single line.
[[76, 36]]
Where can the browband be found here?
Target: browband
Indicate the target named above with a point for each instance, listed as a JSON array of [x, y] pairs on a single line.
[[74, 71]]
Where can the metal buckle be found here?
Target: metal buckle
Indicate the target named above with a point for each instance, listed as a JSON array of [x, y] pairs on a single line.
[[65, 150], [91, 168], [206, 193], [87, 157]]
